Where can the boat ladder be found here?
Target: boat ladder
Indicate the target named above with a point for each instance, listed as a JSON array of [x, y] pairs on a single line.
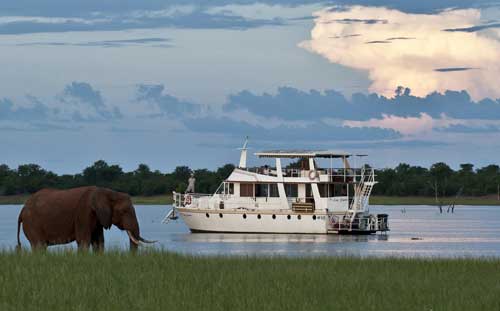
[[171, 215]]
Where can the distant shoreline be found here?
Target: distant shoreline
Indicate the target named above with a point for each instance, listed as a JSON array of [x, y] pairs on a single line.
[[374, 200]]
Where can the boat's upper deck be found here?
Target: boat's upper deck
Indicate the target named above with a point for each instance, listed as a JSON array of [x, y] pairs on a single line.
[[291, 154]]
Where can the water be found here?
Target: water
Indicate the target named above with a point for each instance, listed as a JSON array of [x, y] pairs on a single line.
[[472, 231]]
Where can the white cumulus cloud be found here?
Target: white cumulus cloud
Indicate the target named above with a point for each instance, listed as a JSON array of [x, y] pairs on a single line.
[[398, 48]]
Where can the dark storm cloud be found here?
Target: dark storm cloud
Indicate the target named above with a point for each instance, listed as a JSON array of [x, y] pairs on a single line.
[[154, 42], [470, 129], [355, 21], [37, 111], [452, 69], [400, 38], [168, 105], [293, 104], [377, 42], [88, 7], [313, 132], [197, 19], [83, 93], [473, 28]]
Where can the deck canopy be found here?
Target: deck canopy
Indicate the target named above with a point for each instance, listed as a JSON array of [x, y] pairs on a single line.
[[302, 154]]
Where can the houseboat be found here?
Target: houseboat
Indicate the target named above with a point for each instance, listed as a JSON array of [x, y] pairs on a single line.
[[301, 197]]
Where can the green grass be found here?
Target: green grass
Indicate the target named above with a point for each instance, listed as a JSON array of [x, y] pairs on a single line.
[[153, 200], [390, 200], [166, 281], [143, 200], [13, 199], [375, 200]]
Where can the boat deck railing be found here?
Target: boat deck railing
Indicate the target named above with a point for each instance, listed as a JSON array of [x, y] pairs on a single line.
[[332, 174], [346, 223]]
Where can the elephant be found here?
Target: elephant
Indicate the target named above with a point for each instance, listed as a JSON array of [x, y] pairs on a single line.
[[52, 216]]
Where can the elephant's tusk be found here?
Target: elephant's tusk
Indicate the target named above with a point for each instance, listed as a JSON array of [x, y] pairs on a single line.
[[146, 241], [131, 236]]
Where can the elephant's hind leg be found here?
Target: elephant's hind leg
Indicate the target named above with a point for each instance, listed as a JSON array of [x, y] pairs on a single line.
[[97, 239], [35, 236], [38, 245]]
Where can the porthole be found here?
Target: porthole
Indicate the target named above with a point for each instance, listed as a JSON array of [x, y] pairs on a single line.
[[314, 217], [258, 216], [274, 216], [207, 215], [220, 215], [244, 216], [299, 217], [288, 217]]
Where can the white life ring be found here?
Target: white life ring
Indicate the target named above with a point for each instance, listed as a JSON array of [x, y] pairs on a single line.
[[187, 200], [313, 175], [333, 220]]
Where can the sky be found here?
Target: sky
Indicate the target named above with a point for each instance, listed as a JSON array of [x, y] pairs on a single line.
[[171, 83]]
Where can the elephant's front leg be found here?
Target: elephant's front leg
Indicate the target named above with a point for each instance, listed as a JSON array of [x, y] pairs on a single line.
[[97, 239], [83, 239]]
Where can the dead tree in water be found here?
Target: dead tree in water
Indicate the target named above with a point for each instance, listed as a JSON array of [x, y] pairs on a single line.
[[438, 202]]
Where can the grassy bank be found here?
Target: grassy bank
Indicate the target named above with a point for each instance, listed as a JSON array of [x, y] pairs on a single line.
[[375, 200], [156, 200], [386, 200], [153, 200], [165, 281]]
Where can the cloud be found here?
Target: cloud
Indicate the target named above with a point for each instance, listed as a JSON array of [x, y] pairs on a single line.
[[473, 28], [378, 41], [89, 102], [194, 19], [35, 111], [406, 125], [165, 104], [460, 128], [425, 125], [400, 38], [154, 42], [37, 127], [452, 69], [289, 103], [294, 104], [411, 63], [356, 21], [313, 132]]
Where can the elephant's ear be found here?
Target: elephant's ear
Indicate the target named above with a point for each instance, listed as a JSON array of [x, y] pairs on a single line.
[[102, 206]]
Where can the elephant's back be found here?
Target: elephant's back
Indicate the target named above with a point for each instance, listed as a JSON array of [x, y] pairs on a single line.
[[55, 200]]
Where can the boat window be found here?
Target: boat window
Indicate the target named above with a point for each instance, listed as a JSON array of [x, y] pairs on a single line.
[[246, 190], [229, 188], [273, 191], [309, 194], [330, 190], [291, 190], [340, 190], [261, 190], [323, 190]]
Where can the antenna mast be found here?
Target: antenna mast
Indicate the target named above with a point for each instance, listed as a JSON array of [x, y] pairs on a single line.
[[243, 156]]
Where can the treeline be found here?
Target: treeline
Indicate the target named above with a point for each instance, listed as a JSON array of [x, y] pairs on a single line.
[[30, 178], [407, 180], [404, 180]]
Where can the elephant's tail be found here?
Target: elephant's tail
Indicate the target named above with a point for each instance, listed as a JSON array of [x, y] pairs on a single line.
[[19, 221]]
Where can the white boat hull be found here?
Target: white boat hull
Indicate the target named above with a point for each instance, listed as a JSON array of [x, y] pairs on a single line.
[[249, 222]]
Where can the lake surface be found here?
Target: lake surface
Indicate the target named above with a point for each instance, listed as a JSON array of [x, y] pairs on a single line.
[[472, 231]]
